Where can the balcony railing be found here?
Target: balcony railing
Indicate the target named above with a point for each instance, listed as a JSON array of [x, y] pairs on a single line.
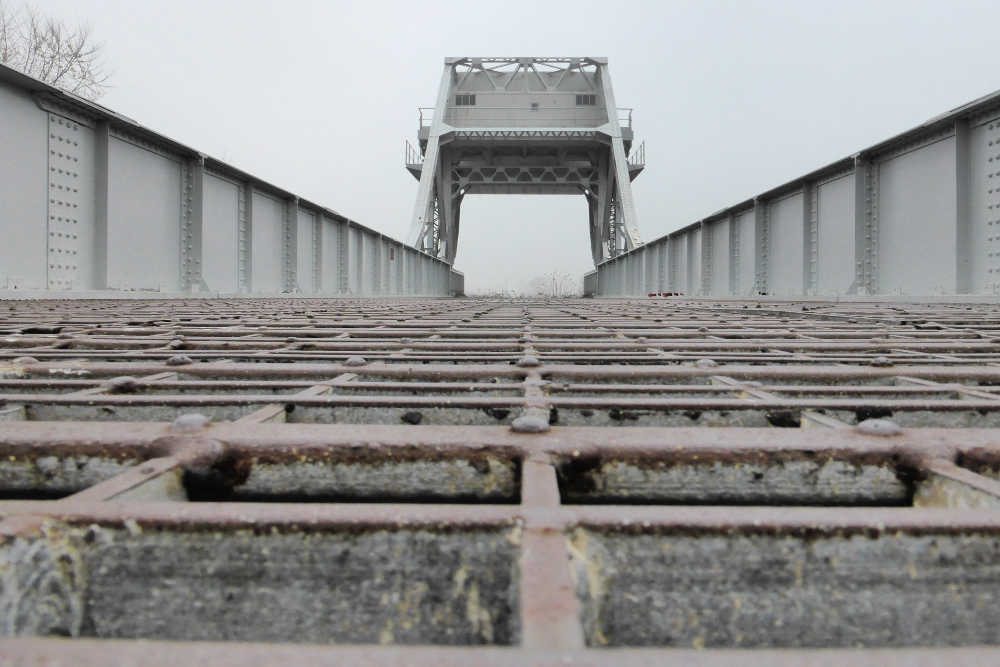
[[637, 156], [411, 156], [426, 115], [625, 117]]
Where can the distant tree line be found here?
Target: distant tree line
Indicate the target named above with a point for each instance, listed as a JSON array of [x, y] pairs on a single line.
[[555, 283]]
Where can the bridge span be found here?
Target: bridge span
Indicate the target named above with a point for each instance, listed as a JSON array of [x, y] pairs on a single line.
[[93, 201], [84, 188], [453, 481], [915, 215]]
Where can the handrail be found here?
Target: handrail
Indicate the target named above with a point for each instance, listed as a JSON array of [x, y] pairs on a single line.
[[627, 121], [637, 156], [411, 156]]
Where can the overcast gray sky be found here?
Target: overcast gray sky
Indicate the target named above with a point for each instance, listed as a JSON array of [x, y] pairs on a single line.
[[732, 98]]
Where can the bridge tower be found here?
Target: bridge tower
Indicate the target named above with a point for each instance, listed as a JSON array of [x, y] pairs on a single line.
[[525, 126]]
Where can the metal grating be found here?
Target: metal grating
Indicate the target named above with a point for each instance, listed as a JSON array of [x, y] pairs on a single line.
[[509, 481]]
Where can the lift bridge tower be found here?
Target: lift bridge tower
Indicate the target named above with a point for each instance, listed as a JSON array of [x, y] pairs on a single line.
[[525, 126]]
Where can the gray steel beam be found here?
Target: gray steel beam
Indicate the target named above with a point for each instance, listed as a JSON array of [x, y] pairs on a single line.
[[377, 268], [734, 255], [865, 230], [244, 237], [425, 191], [707, 251], [99, 270], [192, 223], [761, 245], [963, 208], [319, 228], [290, 249], [344, 261], [809, 237], [626, 209]]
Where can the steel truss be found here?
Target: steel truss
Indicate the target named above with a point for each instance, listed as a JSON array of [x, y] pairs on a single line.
[[542, 154]]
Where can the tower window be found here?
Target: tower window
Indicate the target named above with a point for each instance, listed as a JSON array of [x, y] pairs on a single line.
[[465, 100], [586, 100]]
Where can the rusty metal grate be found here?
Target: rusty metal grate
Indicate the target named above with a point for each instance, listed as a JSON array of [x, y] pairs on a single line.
[[509, 481]]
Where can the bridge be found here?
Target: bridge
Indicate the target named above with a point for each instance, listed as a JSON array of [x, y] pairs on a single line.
[[915, 215], [525, 126], [772, 440], [83, 187]]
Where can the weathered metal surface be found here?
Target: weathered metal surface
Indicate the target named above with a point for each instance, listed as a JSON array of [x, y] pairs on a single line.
[[913, 215], [702, 475], [83, 188]]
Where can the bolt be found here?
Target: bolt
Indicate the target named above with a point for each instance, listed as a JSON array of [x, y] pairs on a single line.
[[530, 424], [190, 422], [879, 427], [125, 384]]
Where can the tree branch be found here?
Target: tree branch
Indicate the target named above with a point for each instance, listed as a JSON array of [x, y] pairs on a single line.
[[49, 50]]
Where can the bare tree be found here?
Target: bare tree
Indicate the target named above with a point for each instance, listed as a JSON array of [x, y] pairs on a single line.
[[554, 283], [49, 49]]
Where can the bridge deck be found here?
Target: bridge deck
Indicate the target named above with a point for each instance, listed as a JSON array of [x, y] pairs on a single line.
[[544, 477]]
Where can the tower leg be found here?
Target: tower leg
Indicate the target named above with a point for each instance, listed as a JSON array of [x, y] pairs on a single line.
[[594, 209], [421, 223], [628, 220], [456, 211]]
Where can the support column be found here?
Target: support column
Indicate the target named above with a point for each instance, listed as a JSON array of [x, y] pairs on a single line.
[[376, 270], [192, 224], [344, 262], [707, 251], [660, 264], [809, 238], [761, 245], [626, 217], [244, 233], [963, 209], [603, 217], [317, 252], [290, 249], [425, 191], [102, 139], [734, 255], [865, 229], [671, 265], [361, 261]]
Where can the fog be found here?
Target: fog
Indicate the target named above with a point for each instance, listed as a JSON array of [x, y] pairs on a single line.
[[732, 98]]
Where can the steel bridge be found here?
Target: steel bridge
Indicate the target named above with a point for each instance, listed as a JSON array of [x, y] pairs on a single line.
[[297, 472], [915, 215], [525, 126], [82, 187]]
